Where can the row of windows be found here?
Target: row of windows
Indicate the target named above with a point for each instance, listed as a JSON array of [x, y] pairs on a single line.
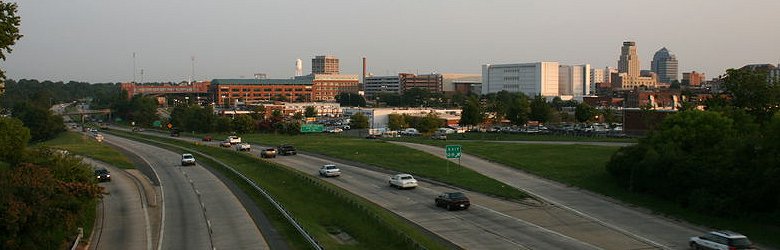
[[265, 89], [266, 94]]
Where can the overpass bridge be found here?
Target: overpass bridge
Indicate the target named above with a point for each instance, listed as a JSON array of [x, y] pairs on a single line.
[[136, 89]]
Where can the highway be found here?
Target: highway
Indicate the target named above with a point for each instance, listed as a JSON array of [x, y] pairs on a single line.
[[656, 230], [122, 213], [199, 211]]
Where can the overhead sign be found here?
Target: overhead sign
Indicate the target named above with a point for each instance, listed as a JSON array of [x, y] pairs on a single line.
[[452, 151], [312, 128]]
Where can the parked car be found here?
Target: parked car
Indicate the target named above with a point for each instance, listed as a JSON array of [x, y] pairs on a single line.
[[243, 147], [207, 138], [439, 136], [452, 201], [225, 144], [187, 159], [402, 181], [234, 139], [268, 153], [725, 240], [286, 149], [410, 132], [102, 175], [329, 170]]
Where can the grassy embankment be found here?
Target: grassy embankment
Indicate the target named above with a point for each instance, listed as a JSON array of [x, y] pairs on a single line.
[[322, 208], [583, 166], [393, 157]]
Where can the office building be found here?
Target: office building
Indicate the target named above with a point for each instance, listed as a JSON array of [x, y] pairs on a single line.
[[451, 81], [574, 80], [692, 78], [325, 65], [327, 86], [664, 65], [431, 82], [540, 78], [628, 75], [598, 75], [254, 91], [381, 84]]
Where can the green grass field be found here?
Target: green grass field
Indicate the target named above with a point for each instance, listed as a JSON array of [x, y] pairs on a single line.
[[81, 144], [336, 210], [390, 156]]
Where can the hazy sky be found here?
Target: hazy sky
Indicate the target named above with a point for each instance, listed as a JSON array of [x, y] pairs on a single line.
[[94, 40]]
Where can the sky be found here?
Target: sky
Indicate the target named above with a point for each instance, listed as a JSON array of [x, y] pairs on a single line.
[[94, 40]]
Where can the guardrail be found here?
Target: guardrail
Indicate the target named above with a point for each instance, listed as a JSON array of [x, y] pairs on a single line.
[[313, 242]]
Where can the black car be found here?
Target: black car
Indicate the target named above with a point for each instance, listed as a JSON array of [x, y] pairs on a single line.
[[102, 175], [452, 201], [175, 133], [286, 149]]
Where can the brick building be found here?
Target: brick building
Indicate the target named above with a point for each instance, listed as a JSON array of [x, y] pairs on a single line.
[[252, 91]]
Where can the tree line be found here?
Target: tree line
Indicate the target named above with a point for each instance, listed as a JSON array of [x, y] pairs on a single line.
[[722, 161]]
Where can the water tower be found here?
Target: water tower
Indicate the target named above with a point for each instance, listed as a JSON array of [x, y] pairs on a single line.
[[298, 67]]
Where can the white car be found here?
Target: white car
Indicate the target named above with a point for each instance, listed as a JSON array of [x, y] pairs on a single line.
[[402, 181], [725, 240], [243, 147], [187, 159], [233, 139], [329, 170]]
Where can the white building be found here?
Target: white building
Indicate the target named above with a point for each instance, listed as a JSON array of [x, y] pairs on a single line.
[[574, 80], [540, 78], [382, 84], [379, 117], [450, 79]]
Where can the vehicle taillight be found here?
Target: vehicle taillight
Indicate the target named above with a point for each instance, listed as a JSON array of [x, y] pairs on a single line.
[[732, 248]]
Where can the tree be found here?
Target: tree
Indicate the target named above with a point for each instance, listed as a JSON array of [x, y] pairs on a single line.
[[584, 112], [347, 99], [43, 124], [751, 90], [430, 123], [310, 111], [243, 124], [517, 110], [13, 139], [358, 121], [472, 113], [258, 112], [9, 24], [396, 122], [298, 116], [390, 99], [540, 110]]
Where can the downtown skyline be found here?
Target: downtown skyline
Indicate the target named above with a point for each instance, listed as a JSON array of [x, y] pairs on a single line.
[[95, 41]]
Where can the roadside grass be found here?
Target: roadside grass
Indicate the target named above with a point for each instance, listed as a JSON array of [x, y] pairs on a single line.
[[81, 144], [322, 208], [474, 136], [393, 157], [583, 166]]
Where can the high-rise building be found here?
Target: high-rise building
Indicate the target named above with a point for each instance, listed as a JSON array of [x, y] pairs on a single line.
[[597, 75], [629, 75], [629, 60], [574, 80], [664, 65], [540, 78], [325, 65], [382, 84]]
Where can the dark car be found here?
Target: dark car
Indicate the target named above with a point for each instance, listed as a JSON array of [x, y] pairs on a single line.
[[175, 133], [452, 201], [207, 138], [102, 175], [286, 149]]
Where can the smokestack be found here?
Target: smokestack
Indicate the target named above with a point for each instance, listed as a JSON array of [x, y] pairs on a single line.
[[362, 84]]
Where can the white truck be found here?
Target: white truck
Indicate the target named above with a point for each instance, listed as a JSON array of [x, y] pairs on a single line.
[[243, 147], [234, 139]]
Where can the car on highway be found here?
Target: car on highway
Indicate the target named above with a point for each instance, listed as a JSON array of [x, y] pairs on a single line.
[[329, 170], [175, 133], [207, 138], [452, 201], [243, 147], [286, 149], [187, 159], [225, 144], [268, 153], [234, 139], [725, 240], [402, 181], [102, 175]]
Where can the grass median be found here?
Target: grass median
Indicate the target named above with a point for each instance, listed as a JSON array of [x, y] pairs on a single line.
[[322, 208], [393, 157], [82, 144]]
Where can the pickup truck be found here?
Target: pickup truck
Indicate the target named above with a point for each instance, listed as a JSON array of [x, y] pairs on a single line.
[[286, 149], [234, 139], [243, 147], [452, 201]]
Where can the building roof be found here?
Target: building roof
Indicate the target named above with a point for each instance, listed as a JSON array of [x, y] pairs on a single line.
[[296, 81]]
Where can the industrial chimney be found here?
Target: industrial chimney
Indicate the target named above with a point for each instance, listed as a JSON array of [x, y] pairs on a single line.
[[298, 67]]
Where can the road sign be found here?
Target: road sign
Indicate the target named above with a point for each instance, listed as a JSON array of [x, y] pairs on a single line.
[[312, 128], [452, 151], [170, 125]]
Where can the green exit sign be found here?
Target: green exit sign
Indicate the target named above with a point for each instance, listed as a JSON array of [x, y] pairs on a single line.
[[452, 151], [312, 128]]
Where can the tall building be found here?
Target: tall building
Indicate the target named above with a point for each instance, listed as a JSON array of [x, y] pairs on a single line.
[[664, 65], [382, 84], [629, 75], [325, 65], [540, 78], [431, 82], [629, 60], [692, 78], [574, 80], [597, 75]]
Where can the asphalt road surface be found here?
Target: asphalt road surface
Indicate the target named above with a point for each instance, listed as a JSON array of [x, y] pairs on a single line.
[[658, 231], [199, 211]]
